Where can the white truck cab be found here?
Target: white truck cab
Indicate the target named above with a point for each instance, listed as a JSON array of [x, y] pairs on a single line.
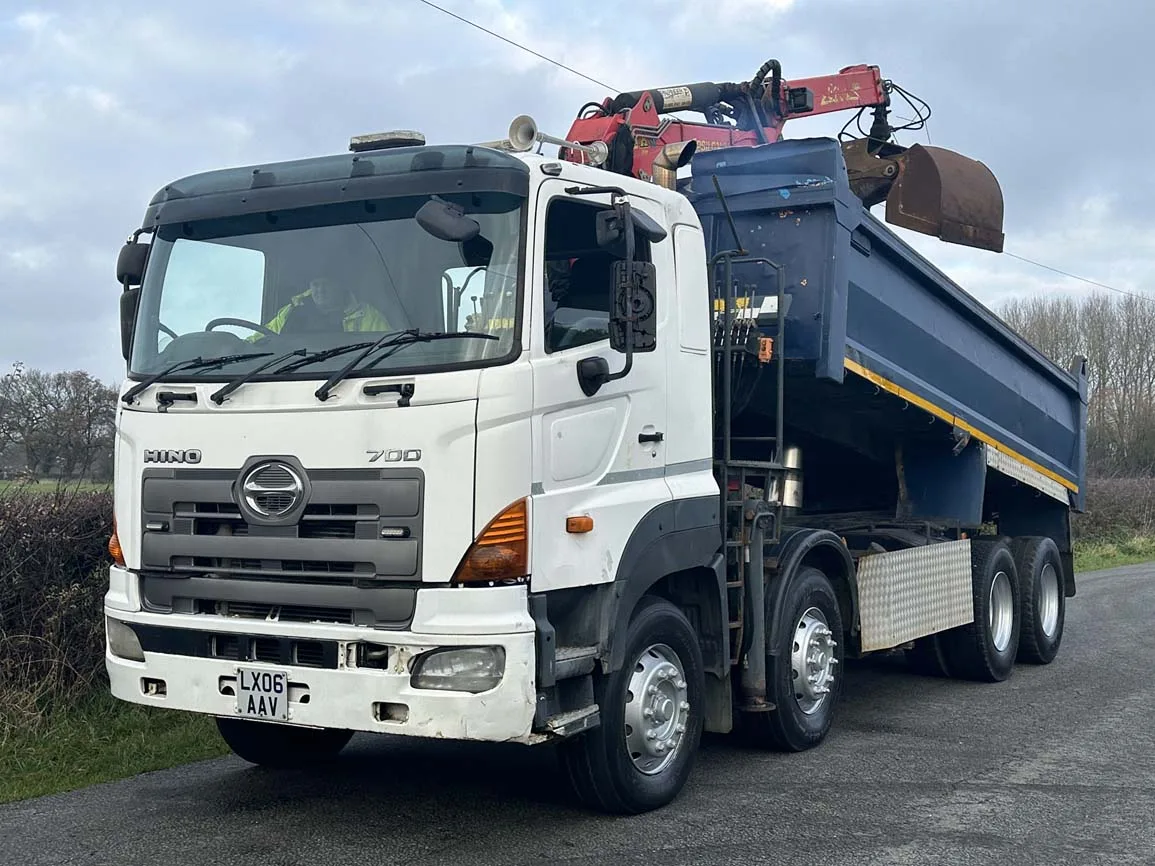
[[422, 510]]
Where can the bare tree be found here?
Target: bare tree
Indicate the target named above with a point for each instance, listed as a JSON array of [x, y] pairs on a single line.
[[1116, 337], [61, 422]]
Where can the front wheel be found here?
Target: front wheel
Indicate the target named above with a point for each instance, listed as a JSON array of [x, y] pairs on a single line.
[[283, 746], [641, 755], [805, 678]]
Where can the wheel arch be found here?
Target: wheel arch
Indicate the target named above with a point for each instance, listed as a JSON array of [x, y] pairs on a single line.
[[823, 550], [675, 553]]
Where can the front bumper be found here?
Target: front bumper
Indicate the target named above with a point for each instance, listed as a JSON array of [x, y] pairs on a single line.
[[344, 696]]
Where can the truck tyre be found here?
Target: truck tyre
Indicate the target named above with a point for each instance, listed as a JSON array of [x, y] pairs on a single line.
[[281, 746], [1042, 598], [652, 710], [805, 679], [985, 649]]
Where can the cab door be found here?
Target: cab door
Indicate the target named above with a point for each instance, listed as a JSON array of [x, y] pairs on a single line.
[[601, 456]]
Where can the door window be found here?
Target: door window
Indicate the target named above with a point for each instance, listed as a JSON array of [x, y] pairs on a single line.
[[578, 275]]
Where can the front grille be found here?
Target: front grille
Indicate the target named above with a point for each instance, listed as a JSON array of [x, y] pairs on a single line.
[[273, 503], [276, 612], [266, 649], [230, 646], [327, 529], [273, 476], [358, 527], [309, 654], [332, 573], [244, 648]]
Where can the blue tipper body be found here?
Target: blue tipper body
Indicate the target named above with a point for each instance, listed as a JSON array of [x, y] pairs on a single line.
[[861, 297]]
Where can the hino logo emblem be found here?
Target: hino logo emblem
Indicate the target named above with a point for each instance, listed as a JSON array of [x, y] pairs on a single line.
[[189, 455], [272, 490]]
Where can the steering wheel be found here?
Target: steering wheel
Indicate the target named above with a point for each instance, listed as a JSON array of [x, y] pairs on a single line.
[[244, 323], [578, 331]]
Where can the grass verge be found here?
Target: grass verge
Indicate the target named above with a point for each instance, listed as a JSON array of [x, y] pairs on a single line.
[[1095, 555], [99, 741], [49, 487]]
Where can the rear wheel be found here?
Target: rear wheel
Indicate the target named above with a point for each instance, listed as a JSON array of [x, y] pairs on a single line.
[[1043, 601], [805, 679], [651, 709], [985, 649], [273, 745]]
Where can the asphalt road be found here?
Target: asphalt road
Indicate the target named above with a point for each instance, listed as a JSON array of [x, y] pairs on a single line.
[[1055, 766]]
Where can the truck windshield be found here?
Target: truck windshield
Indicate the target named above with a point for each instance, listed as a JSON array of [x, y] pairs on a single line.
[[316, 279]]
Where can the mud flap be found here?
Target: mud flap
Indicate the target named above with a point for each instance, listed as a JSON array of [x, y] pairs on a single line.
[[949, 196]]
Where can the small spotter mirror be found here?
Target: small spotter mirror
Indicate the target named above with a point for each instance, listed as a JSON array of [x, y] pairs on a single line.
[[608, 227], [447, 222]]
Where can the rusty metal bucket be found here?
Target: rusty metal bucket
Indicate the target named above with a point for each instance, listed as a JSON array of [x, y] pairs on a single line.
[[949, 196]]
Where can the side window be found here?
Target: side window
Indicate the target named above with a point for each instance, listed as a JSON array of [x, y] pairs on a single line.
[[578, 276]]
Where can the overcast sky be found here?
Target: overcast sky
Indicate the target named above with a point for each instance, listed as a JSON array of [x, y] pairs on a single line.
[[103, 103]]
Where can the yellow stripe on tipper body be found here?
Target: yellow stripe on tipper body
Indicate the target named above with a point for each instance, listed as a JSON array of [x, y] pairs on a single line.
[[942, 414]]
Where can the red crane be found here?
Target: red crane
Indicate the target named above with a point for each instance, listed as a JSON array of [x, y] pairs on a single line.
[[927, 189]]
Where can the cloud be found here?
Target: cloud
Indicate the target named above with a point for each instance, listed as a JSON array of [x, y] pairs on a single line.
[[104, 103]]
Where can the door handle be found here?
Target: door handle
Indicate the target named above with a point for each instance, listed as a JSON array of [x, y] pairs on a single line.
[[650, 437]]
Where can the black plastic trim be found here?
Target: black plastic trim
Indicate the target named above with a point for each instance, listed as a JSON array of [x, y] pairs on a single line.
[[673, 537], [391, 607], [199, 644], [512, 180]]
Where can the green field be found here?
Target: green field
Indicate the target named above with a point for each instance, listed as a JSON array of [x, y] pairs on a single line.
[[1096, 555], [99, 741]]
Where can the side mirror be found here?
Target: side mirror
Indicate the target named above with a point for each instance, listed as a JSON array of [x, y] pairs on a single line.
[[446, 221], [130, 263], [129, 302], [636, 295], [592, 374]]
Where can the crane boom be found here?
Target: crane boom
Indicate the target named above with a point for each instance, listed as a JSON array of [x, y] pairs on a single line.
[[926, 189]]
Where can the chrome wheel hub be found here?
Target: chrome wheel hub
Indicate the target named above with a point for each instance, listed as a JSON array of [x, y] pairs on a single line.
[[812, 661], [1001, 611], [1049, 600], [657, 709]]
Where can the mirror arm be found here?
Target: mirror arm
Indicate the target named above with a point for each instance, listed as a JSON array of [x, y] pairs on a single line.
[[625, 218]]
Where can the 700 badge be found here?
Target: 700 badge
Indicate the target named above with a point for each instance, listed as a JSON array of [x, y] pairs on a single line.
[[263, 694]]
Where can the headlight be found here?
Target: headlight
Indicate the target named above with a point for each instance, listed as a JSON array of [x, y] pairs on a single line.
[[122, 640], [470, 669]]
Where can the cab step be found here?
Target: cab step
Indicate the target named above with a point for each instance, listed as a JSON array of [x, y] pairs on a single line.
[[573, 722], [574, 661]]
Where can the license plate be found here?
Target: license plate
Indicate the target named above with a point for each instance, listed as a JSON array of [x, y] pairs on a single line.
[[263, 694]]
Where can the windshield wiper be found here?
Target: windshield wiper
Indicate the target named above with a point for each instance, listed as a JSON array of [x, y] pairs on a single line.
[[194, 364], [323, 355], [390, 340], [219, 395]]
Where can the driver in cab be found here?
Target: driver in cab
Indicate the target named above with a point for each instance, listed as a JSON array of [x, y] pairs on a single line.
[[327, 307]]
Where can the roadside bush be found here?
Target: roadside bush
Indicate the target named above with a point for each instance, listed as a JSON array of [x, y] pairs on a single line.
[[53, 558], [1118, 509]]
